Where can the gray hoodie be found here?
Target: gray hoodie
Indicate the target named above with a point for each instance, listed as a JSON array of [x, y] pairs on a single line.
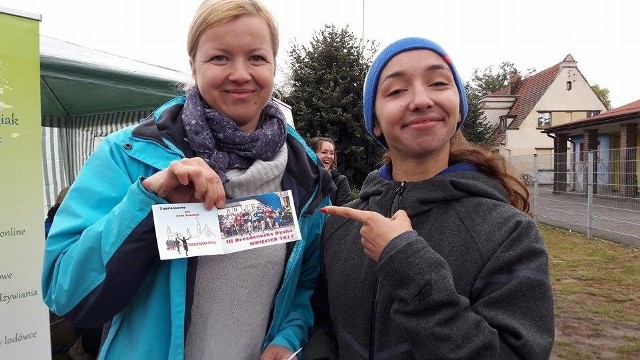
[[471, 282]]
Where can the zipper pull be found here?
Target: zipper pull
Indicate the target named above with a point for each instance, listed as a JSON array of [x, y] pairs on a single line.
[[396, 199]]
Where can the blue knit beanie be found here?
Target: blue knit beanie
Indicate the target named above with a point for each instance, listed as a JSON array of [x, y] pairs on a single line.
[[371, 81]]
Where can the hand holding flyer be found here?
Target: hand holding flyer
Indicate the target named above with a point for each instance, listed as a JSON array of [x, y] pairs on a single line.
[[186, 230]]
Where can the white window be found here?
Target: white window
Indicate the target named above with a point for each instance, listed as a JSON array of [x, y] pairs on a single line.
[[544, 119]]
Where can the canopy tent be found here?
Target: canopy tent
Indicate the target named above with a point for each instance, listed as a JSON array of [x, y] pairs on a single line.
[[87, 94], [75, 80]]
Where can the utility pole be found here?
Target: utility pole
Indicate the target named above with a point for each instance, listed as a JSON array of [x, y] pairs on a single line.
[[362, 38]]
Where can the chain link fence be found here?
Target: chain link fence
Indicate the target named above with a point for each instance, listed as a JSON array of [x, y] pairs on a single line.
[[592, 192]]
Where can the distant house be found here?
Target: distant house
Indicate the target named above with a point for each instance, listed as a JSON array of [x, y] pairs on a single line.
[[554, 96], [613, 135]]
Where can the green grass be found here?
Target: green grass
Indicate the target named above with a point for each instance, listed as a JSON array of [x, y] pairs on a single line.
[[596, 286]]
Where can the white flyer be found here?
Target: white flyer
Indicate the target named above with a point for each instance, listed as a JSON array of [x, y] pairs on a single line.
[[187, 230]]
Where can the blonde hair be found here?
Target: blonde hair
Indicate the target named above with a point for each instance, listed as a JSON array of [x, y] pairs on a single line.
[[218, 12]]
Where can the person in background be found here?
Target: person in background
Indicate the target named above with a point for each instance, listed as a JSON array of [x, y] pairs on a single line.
[[438, 258], [325, 149], [48, 221], [224, 139]]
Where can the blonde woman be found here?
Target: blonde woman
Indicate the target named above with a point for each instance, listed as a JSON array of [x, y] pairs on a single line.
[[224, 139]]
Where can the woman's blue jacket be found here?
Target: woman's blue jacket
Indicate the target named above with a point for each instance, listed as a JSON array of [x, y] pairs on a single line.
[[101, 263]]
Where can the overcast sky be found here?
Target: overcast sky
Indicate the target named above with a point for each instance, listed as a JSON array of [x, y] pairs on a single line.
[[603, 37]]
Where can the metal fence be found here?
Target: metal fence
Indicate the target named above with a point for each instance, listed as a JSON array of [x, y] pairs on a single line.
[[594, 192]]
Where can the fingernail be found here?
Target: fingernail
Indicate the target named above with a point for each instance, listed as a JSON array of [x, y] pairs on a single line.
[[323, 210]]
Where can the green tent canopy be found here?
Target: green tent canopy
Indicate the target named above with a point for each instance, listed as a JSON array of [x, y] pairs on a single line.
[[75, 80], [87, 94]]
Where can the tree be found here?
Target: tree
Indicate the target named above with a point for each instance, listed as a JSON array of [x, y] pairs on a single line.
[[324, 90], [492, 79], [476, 128], [603, 95]]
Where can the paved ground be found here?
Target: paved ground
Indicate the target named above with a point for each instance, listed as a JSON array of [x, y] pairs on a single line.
[[614, 219]]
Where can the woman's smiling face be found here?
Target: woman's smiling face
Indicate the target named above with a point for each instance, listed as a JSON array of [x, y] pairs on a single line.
[[417, 105], [234, 68], [326, 153]]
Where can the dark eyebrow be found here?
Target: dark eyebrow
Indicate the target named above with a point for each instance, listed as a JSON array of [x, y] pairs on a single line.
[[437, 67], [434, 67]]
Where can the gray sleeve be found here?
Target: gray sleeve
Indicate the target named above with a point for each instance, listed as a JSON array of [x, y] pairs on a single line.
[[343, 191]]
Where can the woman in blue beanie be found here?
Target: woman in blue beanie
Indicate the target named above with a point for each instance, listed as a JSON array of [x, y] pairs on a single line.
[[438, 258]]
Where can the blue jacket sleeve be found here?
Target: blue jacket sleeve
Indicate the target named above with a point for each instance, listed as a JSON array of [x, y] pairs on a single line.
[[322, 341], [294, 329], [102, 244]]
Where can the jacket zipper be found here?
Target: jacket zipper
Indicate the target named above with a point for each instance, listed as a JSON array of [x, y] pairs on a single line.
[[374, 304]]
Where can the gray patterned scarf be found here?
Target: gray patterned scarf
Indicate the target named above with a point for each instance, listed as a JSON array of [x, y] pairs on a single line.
[[222, 144]]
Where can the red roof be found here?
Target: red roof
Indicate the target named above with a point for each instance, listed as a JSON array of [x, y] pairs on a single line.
[[627, 112], [528, 94], [630, 108]]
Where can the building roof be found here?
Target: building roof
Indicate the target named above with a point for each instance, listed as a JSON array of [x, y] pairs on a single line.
[[529, 92], [75, 80], [606, 121]]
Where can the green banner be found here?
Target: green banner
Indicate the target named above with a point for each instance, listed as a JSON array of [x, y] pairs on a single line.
[[24, 320]]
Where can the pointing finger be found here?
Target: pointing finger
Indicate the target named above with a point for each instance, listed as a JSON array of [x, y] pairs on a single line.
[[349, 213]]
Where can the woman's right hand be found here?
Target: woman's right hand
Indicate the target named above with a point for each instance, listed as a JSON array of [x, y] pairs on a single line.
[[188, 181]]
